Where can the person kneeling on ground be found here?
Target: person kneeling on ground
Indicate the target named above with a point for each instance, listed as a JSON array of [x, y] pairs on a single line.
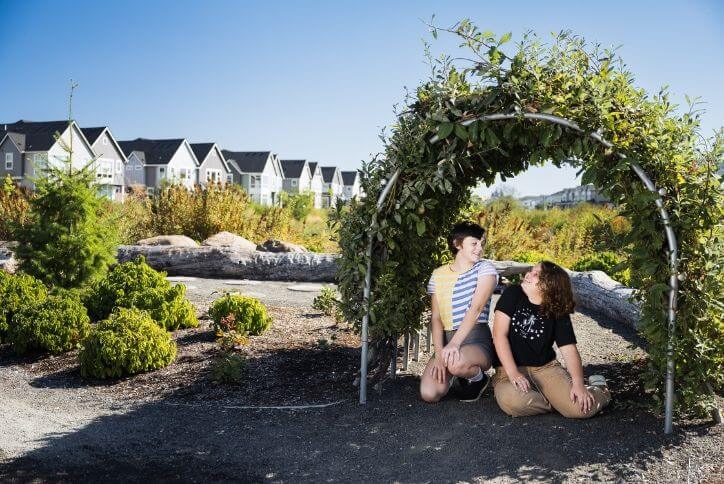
[[461, 294], [528, 379]]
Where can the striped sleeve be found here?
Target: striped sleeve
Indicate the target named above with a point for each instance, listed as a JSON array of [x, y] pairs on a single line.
[[431, 285], [486, 268]]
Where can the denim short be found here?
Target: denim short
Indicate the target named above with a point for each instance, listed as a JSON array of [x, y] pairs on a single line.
[[480, 336]]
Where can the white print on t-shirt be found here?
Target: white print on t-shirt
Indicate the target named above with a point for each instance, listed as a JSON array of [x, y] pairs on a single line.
[[524, 323]]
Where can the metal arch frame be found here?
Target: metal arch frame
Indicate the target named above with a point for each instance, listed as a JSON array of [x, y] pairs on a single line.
[[670, 236]]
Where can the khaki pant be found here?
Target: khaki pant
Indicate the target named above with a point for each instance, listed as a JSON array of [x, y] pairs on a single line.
[[550, 390]]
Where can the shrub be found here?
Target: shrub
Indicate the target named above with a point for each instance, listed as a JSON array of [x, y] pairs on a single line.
[[228, 368], [328, 303], [530, 256], [56, 324], [228, 336], [136, 284], [249, 314], [607, 262], [15, 292], [126, 343], [65, 241]]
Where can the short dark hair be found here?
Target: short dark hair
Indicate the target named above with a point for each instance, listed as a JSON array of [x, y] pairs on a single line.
[[462, 230]]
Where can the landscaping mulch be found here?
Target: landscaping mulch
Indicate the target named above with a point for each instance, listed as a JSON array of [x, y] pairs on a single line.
[[177, 425]]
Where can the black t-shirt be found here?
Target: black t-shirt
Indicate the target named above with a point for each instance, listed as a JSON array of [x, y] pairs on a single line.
[[531, 336]]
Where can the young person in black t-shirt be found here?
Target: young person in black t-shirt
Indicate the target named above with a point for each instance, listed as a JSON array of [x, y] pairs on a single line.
[[528, 379]]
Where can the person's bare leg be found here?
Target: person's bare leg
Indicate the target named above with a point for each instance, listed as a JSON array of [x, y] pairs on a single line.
[[431, 390]]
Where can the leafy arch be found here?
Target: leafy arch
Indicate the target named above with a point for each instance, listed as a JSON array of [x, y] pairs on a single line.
[[447, 139]]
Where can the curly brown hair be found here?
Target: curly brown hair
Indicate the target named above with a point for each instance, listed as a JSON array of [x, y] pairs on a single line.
[[555, 287]]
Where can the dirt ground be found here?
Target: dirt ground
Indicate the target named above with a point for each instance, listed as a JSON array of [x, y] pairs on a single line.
[[295, 418]]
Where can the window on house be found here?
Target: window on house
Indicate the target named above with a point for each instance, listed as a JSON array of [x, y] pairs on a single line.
[[119, 166], [139, 167], [294, 183], [8, 161], [252, 181], [105, 141], [229, 178]]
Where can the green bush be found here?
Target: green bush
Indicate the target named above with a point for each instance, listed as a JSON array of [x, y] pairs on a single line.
[[15, 292], [136, 285], [127, 343], [530, 256], [607, 262], [56, 324], [249, 314], [65, 240], [228, 368]]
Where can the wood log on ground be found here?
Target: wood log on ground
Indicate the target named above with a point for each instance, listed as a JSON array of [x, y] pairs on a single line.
[[230, 262], [597, 292]]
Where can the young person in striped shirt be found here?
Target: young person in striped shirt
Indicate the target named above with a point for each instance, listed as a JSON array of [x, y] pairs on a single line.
[[461, 294]]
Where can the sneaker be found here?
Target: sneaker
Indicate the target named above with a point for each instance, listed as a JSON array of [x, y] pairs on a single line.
[[597, 381], [471, 391]]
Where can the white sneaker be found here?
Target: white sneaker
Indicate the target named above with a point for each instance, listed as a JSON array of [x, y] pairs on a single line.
[[597, 381]]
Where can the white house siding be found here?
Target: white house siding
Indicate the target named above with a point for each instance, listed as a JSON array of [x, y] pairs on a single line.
[[81, 155], [298, 185], [181, 169], [317, 184], [351, 191]]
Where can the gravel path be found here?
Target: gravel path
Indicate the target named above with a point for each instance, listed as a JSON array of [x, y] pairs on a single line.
[[57, 427]]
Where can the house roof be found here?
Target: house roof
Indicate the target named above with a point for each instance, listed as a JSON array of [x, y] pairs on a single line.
[[348, 177], [92, 134], [293, 168], [248, 161], [155, 151], [38, 135], [313, 167], [201, 150], [328, 173], [17, 138]]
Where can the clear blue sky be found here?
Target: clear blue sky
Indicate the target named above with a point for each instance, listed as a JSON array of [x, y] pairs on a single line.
[[313, 80]]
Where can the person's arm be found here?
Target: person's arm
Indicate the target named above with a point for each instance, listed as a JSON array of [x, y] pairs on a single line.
[[501, 327], [438, 369], [483, 291], [579, 392]]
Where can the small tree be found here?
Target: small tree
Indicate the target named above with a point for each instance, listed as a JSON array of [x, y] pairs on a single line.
[[65, 242]]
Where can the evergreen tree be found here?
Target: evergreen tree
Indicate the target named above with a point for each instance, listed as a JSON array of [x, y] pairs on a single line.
[[66, 242]]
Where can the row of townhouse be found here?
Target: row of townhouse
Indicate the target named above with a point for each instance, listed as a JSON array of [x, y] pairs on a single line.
[[27, 147]]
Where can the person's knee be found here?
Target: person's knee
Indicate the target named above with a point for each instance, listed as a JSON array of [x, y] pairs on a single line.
[[510, 403], [430, 394], [459, 368]]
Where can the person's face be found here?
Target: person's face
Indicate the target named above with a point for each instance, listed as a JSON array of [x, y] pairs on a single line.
[[471, 248], [531, 278]]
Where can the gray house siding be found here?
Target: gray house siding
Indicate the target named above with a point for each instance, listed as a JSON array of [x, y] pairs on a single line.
[[105, 148], [151, 175], [17, 170], [213, 162]]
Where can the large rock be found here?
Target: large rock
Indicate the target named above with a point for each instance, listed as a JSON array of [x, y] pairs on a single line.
[[227, 239], [8, 263], [276, 246], [172, 240]]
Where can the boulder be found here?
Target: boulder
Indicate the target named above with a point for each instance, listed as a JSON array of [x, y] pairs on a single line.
[[273, 245], [227, 239], [172, 240], [8, 263]]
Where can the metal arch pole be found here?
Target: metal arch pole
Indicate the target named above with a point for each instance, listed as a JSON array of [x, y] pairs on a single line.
[[368, 290], [670, 236]]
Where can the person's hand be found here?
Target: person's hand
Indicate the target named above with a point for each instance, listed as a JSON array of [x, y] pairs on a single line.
[[450, 354], [520, 382], [581, 395], [438, 370]]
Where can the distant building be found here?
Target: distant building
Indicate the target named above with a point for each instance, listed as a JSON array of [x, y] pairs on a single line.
[[317, 183], [164, 161], [213, 167], [333, 186], [259, 173], [566, 198], [297, 177], [351, 188], [110, 162], [27, 148]]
